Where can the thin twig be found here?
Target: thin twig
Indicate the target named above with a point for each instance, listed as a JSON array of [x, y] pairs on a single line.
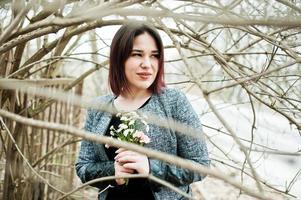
[[134, 176], [184, 163], [220, 118], [26, 161], [8, 30]]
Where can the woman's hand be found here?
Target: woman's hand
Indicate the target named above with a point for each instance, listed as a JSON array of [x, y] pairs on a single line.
[[133, 160], [120, 171]]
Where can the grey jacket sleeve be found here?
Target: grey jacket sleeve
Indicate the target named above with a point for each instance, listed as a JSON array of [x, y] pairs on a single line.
[[187, 147], [90, 166]]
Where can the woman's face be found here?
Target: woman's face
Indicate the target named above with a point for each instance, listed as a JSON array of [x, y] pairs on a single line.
[[141, 67]]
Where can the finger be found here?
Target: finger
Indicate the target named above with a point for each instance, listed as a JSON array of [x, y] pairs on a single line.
[[128, 158], [120, 168], [127, 170], [133, 166], [137, 167], [120, 181], [120, 150], [125, 153]]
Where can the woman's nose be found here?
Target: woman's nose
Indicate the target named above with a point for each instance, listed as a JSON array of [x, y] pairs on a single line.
[[146, 62]]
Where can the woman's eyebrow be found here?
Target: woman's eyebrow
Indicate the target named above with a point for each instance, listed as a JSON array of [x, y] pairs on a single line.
[[137, 50], [141, 51]]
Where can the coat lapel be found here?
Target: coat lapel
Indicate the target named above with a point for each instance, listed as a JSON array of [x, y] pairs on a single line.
[[102, 122]]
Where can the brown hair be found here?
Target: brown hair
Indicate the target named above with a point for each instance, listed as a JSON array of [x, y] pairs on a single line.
[[121, 48]]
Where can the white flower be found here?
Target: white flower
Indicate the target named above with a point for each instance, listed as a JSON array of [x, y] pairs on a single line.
[[144, 122], [128, 131], [132, 122], [123, 126], [124, 118], [134, 114], [147, 128]]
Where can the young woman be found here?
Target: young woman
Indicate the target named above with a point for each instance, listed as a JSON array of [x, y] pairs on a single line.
[[136, 80]]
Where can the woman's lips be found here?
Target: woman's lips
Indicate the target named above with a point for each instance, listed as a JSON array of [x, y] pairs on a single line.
[[144, 75]]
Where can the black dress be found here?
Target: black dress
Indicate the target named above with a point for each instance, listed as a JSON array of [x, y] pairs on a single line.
[[137, 188]]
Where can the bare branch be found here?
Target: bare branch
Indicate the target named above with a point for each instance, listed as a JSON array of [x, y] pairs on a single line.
[[26, 161], [150, 177], [6, 33], [184, 163]]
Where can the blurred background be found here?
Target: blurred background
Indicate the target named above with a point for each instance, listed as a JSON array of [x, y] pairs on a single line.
[[238, 61]]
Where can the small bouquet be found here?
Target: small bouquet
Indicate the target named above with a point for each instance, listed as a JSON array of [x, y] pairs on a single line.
[[133, 128]]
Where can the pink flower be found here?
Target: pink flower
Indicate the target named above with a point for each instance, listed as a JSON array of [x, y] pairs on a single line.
[[138, 134], [145, 139], [141, 136]]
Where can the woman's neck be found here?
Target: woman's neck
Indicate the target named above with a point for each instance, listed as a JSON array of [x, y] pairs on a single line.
[[134, 96], [130, 101]]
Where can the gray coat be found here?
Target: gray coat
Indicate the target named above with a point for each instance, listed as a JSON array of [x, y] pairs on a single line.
[[170, 103]]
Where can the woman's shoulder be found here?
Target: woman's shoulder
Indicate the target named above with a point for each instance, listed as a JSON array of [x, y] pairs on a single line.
[[171, 94], [96, 104], [172, 99], [104, 98]]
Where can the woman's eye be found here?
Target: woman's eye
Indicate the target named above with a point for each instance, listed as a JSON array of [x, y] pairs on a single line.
[[155, 56], [136, 54]]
